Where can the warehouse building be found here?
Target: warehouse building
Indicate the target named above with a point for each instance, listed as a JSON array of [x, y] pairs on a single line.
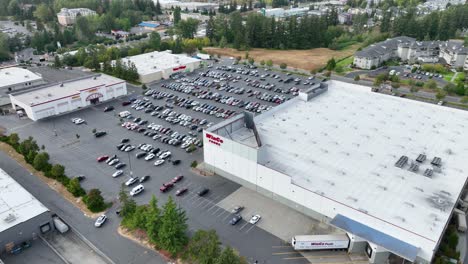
[[191, 6], [53, 99], [387, 170], [22, 217], [154, 66], [15, 79]]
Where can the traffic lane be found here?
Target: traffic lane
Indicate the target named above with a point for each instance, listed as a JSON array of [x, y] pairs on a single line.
[[117, 248]]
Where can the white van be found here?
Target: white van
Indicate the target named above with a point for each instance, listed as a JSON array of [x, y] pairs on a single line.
[[392, 72], [124, 114], [60, 225], [138, 189]]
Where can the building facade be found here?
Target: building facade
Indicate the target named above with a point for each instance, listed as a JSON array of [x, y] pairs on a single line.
[[15, 79], [23, 217], [331, 165], [67, 17], [154, 66], [54, 99]]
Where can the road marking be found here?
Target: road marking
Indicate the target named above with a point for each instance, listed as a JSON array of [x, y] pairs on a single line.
[[214, 205], [284, 253], [209, 203], [19, 127], [228, 215], [248, 230], [243, 226], [280, 246]]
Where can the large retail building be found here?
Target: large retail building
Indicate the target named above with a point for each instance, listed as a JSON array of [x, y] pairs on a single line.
[[53, 99], [23, 217], [154, 66], [387, 170]]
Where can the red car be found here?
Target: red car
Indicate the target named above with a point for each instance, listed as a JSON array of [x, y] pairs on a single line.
[[102, 158], [177, 179], [124, 103], [166, 187], [181, 191]]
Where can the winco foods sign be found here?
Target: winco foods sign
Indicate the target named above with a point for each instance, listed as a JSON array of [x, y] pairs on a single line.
[[322, 244], [214, 139]]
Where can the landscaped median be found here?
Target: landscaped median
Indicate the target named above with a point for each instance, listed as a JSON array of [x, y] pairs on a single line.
[[36, 161], [165, 230]]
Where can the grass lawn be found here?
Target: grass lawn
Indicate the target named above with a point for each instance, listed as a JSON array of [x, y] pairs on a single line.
[[448, 76], [345, 62]]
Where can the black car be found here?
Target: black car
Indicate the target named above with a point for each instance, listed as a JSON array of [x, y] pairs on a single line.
[[80, 177], [144, 178], [176, 162], [120, 165], [140, 155], [203, 191], [100, 134], [119, 146], [235, 219], [124, 140], [108, 108]]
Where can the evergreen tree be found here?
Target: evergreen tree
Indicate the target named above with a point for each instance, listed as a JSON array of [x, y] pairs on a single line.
[[172, 234], [158, 9], [204, 247], [228, 256], [153, 220], [176, 15]]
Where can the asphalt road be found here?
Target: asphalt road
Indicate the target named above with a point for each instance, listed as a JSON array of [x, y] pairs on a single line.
[[79, 157]]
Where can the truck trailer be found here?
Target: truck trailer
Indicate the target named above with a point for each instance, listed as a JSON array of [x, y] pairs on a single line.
[[60, 225], [461, 219], [317, 242]]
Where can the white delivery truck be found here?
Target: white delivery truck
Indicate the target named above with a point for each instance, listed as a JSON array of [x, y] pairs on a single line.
[[60, 225], [461, 220], [316, 242]]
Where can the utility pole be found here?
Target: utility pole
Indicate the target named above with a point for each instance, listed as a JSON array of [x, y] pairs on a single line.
[[130, 164]]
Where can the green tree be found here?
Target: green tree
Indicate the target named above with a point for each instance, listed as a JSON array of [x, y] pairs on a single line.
[[83, 29], [155, 40], [269, 63], [153, 220], [94, 201], [440, 94], [172, 234], [251, 61], [262, 62], [431, 84], [57, 62], [75, 188], [331, 64], [187, 28], [228, 256], [57, 171], [158, 9], [204, 247], [283, 66], [176, 15], [137, 220], [43, 13], [4, 47], [357, 78], [13, 140], [41, 161]]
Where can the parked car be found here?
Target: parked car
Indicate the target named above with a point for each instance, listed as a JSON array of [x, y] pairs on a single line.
[[176, 162], [150, 157], [144, 178], [102, 158], [136, 190], [177, 179], [255, 219], [131, 181], [125, 103], [113, 162], [166, 187], [124, 140], [181, 191], [117, 173], [235, 219], [100, 133], [237, 209], [79, 177], [203, 192], [159, 162], [120, 165], [108, 108], [140, 155], [100, 220]]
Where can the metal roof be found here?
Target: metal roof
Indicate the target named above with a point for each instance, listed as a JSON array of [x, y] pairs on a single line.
[[149, 24], [15, 75], [394, 245], [16, 204]]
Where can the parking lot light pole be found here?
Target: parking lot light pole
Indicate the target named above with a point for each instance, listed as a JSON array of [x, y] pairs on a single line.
[[130, 164]]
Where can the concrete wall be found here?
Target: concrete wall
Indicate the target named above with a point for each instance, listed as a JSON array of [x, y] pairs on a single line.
[[21, 85], [25, 231]]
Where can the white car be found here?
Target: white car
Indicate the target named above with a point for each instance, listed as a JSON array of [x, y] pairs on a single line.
[[159, 162], [129, 148], [138, 189], [77, 121], [131, 181], [117, 173], [165, 155], [100, 220], [254, 219], [114, 161], [150, 156]]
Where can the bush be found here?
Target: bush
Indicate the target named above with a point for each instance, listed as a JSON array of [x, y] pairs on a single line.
[[94, 201], [41, 162], [283, 66], [357, 78], [75, 188], [194, 164]]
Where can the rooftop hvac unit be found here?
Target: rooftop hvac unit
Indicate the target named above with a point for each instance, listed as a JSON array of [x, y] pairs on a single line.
[[401, 162], [421, 158], [10, 218], [26, 76], [61, 85], [436, 161], [49, 95]]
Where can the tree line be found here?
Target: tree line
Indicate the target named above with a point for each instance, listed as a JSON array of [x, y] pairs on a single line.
[[439, 25], [39, 159], [166, 229], [258, 31]]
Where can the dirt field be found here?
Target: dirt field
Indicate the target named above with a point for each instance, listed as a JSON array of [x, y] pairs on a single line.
[[302, 59]]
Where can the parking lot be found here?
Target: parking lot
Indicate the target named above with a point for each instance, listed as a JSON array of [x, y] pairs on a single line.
[[171, 120]]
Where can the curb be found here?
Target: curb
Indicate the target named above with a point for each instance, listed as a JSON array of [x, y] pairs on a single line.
[[55, 251]]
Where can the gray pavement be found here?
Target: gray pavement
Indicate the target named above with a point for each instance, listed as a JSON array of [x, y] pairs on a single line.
[[79, 157], [38, 253]]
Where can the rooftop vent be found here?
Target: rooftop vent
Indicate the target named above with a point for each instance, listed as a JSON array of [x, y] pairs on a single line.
[[314, 91], [7, 73], [9, 218], [95, 78], [436, 161], [414, 167], [428, 173], [421, 158], [49, 95], [61, 85], [401, 162]]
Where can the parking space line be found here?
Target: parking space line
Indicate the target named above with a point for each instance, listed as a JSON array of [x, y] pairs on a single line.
[[214, 206], [248, 230], [226, 217], [246, 223], [215, 211], [209, 203]]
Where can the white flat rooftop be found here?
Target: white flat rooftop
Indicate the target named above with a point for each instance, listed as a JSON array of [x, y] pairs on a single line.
[[16, 204], [14, 75], [59, 90], [151, 62], [344, 143]]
